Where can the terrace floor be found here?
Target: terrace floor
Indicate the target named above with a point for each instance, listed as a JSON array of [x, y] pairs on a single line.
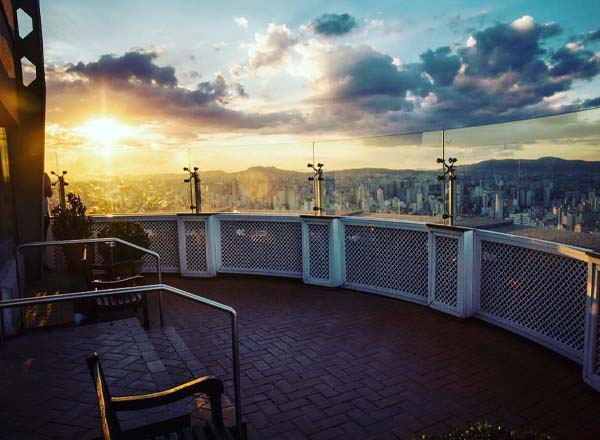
[[316, 363]]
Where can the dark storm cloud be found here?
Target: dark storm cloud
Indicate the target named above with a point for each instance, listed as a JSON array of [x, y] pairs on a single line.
[[503, 48], [592, 36], [365, 75], [505, 73], [574, 62], [334, 24], [155, 90], [441, 64], [594, 102], [131, 65]]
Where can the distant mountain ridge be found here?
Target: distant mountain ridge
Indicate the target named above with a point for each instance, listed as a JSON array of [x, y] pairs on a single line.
[[543, 165]]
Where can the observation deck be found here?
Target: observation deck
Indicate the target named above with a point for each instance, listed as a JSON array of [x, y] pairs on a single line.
[[349, 328]]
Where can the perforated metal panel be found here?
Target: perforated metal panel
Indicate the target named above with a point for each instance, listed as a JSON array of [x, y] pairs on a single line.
[[539, 291], [446, 270], [388, 259], [193, 232], [261, 246], [319, 237]]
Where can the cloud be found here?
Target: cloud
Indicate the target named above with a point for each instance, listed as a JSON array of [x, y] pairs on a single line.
[[269, 50], [575, 62], [441, 65], [138, 66], [504, 73], [592, 36], [524, 24], [369, 79], [241, 21], [334, 24], [135, 84]]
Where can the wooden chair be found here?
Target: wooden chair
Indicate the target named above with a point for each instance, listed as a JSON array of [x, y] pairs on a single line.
[[175, 428], [101, 276]]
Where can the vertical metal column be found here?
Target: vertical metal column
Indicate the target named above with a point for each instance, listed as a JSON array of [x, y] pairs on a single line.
[[449, 171], [62, 183], [317, 180], [195, 190]]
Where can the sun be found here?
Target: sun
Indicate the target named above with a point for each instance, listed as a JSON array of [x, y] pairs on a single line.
[[105, 132]]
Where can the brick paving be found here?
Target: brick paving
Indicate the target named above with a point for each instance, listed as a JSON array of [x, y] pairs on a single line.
[[47, 392], [317, 363], [325, 363]]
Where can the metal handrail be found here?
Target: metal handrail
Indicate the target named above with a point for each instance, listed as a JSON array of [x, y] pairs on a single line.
[[90, 241], [235, 349]]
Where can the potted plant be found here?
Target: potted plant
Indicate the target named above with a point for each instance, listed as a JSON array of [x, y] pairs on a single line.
[[121, 255], [71, 223]]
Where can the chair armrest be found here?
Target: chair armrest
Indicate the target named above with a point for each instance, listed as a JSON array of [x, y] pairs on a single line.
[[124, 282], [208, 385]]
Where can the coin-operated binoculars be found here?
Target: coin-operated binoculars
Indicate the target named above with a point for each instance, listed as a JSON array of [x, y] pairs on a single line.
[[317, 181], [195, 190], [449, 172], [61, 182]]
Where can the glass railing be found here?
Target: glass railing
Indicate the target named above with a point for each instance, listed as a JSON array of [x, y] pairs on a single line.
[[533, 174]]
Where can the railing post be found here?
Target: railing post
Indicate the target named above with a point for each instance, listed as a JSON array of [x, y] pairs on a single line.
[[591, 350], [451, 270], [195, 238], [321, 250]]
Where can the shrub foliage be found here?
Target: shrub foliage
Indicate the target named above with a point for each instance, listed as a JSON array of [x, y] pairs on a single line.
[[128, 231], [487, 431]]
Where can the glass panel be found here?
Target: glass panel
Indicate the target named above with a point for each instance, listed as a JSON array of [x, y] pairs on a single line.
[[384, 176], [539, 178]]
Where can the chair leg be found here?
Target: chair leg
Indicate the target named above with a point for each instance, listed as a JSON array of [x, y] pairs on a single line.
[[216, 409], [145, 312]]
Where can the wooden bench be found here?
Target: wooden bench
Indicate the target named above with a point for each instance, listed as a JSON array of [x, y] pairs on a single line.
[[178, 428], [106, 276]]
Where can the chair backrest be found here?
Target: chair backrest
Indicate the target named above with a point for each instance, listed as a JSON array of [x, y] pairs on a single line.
[[86, 266], [111, 429]]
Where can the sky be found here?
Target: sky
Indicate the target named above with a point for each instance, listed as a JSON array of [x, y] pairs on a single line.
[[145, 86]]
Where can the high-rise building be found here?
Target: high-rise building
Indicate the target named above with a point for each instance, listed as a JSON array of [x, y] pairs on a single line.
[[498, 207]]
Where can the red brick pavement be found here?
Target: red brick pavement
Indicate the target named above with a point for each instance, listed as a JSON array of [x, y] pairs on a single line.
[[331, 363], [317, 363]]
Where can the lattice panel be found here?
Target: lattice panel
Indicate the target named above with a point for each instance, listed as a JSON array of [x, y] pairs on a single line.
[[446, 270], [388, 258], [541, 291], [55, 254], [195, 246], [318, 250], [261, 246], [164, 240]]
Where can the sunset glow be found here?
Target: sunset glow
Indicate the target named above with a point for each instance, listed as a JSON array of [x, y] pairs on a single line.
[[105, 131], [232, 90]]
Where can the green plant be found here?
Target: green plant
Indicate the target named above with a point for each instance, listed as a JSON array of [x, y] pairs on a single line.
[[128, 231], [71, 223], [487, 431]]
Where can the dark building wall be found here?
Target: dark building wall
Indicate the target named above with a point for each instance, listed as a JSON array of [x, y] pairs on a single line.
[[22, 120]]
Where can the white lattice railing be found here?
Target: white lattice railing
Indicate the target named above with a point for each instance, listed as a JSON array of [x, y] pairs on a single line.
[[544, 291], [266, 245], [591, 362], [196, 245], [535, 288], [387, 257], [321, 258]]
